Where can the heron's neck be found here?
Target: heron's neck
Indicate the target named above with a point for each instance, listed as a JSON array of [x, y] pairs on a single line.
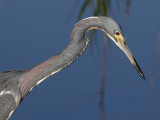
[[56, 63]]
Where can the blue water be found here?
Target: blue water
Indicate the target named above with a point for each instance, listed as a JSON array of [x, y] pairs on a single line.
[[33, 30]]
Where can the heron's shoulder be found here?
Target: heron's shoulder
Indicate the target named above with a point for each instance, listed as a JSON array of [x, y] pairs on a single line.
[[11, 73], [9, 79], [7, 105]]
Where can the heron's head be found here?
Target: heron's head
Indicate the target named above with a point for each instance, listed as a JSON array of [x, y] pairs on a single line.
[[114, 31]]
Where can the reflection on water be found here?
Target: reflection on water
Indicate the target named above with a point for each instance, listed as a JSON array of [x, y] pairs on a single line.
[[101, 101], [103, 80], [128, 5], [154, 69]]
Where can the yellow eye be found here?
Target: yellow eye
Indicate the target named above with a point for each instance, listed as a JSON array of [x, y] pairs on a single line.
[[117, 33]]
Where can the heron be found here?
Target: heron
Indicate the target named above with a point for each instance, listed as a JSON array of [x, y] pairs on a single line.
[[16, 84]]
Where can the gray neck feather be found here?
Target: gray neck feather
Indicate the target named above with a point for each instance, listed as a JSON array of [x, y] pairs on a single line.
[[78, 43]]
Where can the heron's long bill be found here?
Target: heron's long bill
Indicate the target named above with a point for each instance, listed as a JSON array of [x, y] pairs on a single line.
[[123, 46]]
